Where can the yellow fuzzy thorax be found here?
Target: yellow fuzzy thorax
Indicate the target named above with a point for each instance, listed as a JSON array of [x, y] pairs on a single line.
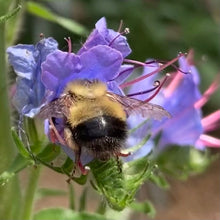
[[86, 109], [87, 89]]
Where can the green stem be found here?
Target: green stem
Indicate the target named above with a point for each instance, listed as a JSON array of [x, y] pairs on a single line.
[[9, 192], [30, 193]]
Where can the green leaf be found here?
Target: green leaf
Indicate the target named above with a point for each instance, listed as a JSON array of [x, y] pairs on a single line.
[[10, 14], [41, 11], [145, 207], [66, 214], [119, 188], [19, 144]]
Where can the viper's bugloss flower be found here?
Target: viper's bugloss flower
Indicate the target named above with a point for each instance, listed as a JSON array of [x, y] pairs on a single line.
[[183, 99], [26, 61], [44, 71]]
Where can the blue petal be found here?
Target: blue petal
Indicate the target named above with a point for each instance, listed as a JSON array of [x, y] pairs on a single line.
[[183, 129], [22, 58], [26, 61], [100, 62], [103, 36]]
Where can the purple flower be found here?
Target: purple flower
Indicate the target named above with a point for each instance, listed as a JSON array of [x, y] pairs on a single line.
[[103, 36], [26, 61], [44, 72], [99, 62], [182, 98]]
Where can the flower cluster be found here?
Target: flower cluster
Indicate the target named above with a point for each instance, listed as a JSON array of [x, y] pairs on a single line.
[[44, 71], [182, 98]]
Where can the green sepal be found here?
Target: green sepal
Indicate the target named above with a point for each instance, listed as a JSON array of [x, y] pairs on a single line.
[[158, 178], [19, 144], [145, 207], [183, 161], [119, 188], [66, 214], [49, 153], [17, 165]]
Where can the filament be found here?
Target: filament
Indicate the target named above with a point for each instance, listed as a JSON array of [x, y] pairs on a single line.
[[157, 84], [68, 40], [151, 73]]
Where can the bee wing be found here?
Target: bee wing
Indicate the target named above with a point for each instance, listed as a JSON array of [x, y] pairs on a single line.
[[58, 108], [135, 106]]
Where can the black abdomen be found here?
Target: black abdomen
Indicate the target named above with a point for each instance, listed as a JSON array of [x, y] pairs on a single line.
[[103, 136]]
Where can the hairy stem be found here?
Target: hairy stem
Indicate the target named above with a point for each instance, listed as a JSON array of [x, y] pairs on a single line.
[[30, 193], [10, 191]]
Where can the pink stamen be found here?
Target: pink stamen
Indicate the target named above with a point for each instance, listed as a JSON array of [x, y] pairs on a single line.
[[126, 31], [212, 121], [120, 26], [149, 74], [68, 40], [157, 84], [173, 85], [209, 141], [206, 96], [158, 89], [139, 63]]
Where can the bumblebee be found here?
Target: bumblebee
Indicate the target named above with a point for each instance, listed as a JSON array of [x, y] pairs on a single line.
[[94, 119]]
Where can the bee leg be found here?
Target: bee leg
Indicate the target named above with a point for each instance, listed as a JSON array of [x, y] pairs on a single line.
[[55, 133], [119, 154], [77, 151], [119, 164]]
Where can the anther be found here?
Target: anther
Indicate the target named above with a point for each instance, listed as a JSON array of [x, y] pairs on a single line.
[[126, 31], [42, 36], [158, 89]]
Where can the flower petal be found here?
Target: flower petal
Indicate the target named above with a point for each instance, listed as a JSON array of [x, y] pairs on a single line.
[[100, 62], [26, 60], [103, 36], [22, 58]]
